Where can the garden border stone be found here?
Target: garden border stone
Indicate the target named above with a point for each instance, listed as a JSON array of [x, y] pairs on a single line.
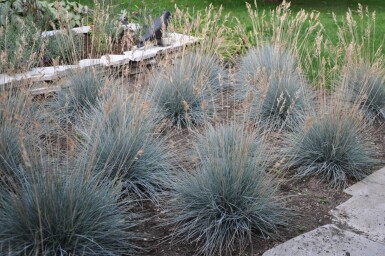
[[135, 56], [359, 227]]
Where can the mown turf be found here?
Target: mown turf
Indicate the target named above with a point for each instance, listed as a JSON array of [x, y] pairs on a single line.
[[238, 9]]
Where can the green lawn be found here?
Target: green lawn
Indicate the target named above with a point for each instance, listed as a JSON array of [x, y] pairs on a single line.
[[238, 9]]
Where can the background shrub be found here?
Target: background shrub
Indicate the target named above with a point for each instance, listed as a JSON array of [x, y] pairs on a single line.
[[184, 91], [66, 47], [21, 46], [272, 89], [57, 213], [230, 198], [332, 146]]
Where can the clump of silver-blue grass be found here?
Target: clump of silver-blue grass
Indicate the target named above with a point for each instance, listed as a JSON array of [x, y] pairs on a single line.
[[364, 85], [16, 113], [119, 140], [333, 146], [272, 90], [65, 212], [230, 198], [261, 63], [185, 92], [80, 91]]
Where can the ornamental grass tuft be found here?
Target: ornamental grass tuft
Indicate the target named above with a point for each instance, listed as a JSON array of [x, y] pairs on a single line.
[[333, 146], [120, 142], [230, 198], [80, 92], [185, 92], [364, 85], [62, 212], [271, 88]]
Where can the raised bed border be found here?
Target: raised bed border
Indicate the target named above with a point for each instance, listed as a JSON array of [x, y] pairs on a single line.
[[137, 55]]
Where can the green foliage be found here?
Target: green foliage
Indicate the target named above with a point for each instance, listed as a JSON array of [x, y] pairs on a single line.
[[230, 198], [66, 47], [21, 45], [365, 86], [65, 212], [45, 13], [119, 143], [333, 146], [106, 29], [184, 92]]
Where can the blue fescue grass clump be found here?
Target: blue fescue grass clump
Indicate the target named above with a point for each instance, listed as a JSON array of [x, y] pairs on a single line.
[[271, 88], [16, 113], [365, 86], [230, 198], [333, 147], [57, 212], [283, 104], [185, 92], [119, 142], [80, 91], [261, 63]]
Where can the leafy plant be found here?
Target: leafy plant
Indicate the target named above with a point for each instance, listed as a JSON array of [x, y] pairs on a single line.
[[265, 62], [229, 198], [46, 14], [365, 86], [106, 29], [119, 143], [63, 212], [332, 146], [21, 46], [184, 92], [66, 47]]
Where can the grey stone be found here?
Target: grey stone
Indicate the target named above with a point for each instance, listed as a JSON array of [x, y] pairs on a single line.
[[88, 63], [114, 60], [328, 240], [374, 184], [82, 30], [365, 214], [5, 79]]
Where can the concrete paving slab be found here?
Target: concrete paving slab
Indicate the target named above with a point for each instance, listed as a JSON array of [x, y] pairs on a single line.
[[365, 214], [374, 185], [328, 240]]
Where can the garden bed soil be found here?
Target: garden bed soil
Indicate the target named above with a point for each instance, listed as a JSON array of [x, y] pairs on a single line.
[[310, 199]]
